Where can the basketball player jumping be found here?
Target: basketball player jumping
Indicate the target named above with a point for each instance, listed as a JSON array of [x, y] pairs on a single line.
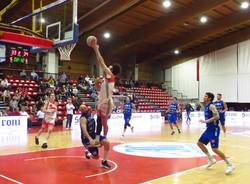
[[212, 133], [50, 111], [222, 108], [105, 101]]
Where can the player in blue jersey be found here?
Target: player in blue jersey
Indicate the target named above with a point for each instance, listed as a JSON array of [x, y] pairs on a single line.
[[127, 112], [222, 108], [88, 135], [212, 133], [173, 110]]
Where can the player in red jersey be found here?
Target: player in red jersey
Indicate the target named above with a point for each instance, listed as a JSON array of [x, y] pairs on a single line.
[[50, 112], [105, 98]]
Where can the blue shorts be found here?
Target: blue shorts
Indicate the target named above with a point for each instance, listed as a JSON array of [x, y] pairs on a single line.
[[127, 118], [167, 116], [222, 118], [173, 118], [212, 136], [86, 143]]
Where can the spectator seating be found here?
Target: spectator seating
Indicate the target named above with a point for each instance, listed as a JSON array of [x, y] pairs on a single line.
[[150, 99]]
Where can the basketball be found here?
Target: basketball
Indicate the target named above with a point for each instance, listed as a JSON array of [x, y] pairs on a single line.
[[91, 41]]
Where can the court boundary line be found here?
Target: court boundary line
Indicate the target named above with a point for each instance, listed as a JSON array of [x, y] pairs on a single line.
[[177, 174], [93, 175], [73, 156], [10, 179]]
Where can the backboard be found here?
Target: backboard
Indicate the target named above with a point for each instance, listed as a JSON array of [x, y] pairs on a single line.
[[55, 20]]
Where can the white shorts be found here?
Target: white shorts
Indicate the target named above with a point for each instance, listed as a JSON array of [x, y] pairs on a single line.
[[105, 109]]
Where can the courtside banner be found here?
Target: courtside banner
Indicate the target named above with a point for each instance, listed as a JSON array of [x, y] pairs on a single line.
[[10, 124], [142, 122], [136, 117], [231, 116], [13, 130]]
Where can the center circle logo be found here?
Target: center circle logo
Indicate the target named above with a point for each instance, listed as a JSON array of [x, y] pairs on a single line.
[[160, 149]]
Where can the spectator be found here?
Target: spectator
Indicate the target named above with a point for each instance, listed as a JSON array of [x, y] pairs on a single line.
[[40, 103], [52, 82], [198, 107], [4, 83], [23, 112], [23, 101], [69, 107], [44, 86], [34, 75], [75, 91], [15, 112], [63, 79], [76, 102], [23, 74], [87, 78], [40, 116], [13, 104], [33, 109], [6, 94], [7, 112], [80, 79], [132, 83]]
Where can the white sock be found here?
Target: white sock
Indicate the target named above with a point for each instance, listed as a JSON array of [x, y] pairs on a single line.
[[209, 156], [227, 162]]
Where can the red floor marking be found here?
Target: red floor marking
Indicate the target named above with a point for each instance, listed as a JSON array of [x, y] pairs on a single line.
[[65, 169]]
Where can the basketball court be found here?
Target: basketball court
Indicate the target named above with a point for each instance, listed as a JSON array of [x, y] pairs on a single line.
[[145, 158], [150, 154]]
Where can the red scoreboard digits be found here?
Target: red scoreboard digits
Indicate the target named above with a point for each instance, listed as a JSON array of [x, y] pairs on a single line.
[[18, 55]]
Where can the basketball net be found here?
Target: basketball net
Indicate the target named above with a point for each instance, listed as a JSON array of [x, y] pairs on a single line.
[[65, 51]]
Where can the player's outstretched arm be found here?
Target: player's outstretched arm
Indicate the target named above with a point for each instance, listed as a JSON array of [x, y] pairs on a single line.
[[101, 60]]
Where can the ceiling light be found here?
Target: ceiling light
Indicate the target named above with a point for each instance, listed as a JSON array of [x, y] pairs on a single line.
[[203, 19], [107, 35], [244, 5], [177, 52], [42, 20], [166, 3]]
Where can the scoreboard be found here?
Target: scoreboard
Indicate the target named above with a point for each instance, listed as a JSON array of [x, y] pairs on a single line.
[[18, 55], [12, 53]]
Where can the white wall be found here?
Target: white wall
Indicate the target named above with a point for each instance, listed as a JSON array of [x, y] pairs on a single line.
[[244, 71], [218, 73], [225, 71], [168, 74], [184, 78]]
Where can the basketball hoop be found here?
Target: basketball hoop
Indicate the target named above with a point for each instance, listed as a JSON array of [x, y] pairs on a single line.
[[65, 51]]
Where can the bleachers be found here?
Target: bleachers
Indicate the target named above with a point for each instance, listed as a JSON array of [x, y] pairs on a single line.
[[150, 99], [147, 99], [27, 87], [30, 88]]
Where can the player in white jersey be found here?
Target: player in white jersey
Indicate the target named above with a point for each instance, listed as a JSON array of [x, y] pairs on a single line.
[[105, 97], [50, 112]]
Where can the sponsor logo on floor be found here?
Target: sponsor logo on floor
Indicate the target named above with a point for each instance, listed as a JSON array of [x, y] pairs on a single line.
[[160, 149]]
